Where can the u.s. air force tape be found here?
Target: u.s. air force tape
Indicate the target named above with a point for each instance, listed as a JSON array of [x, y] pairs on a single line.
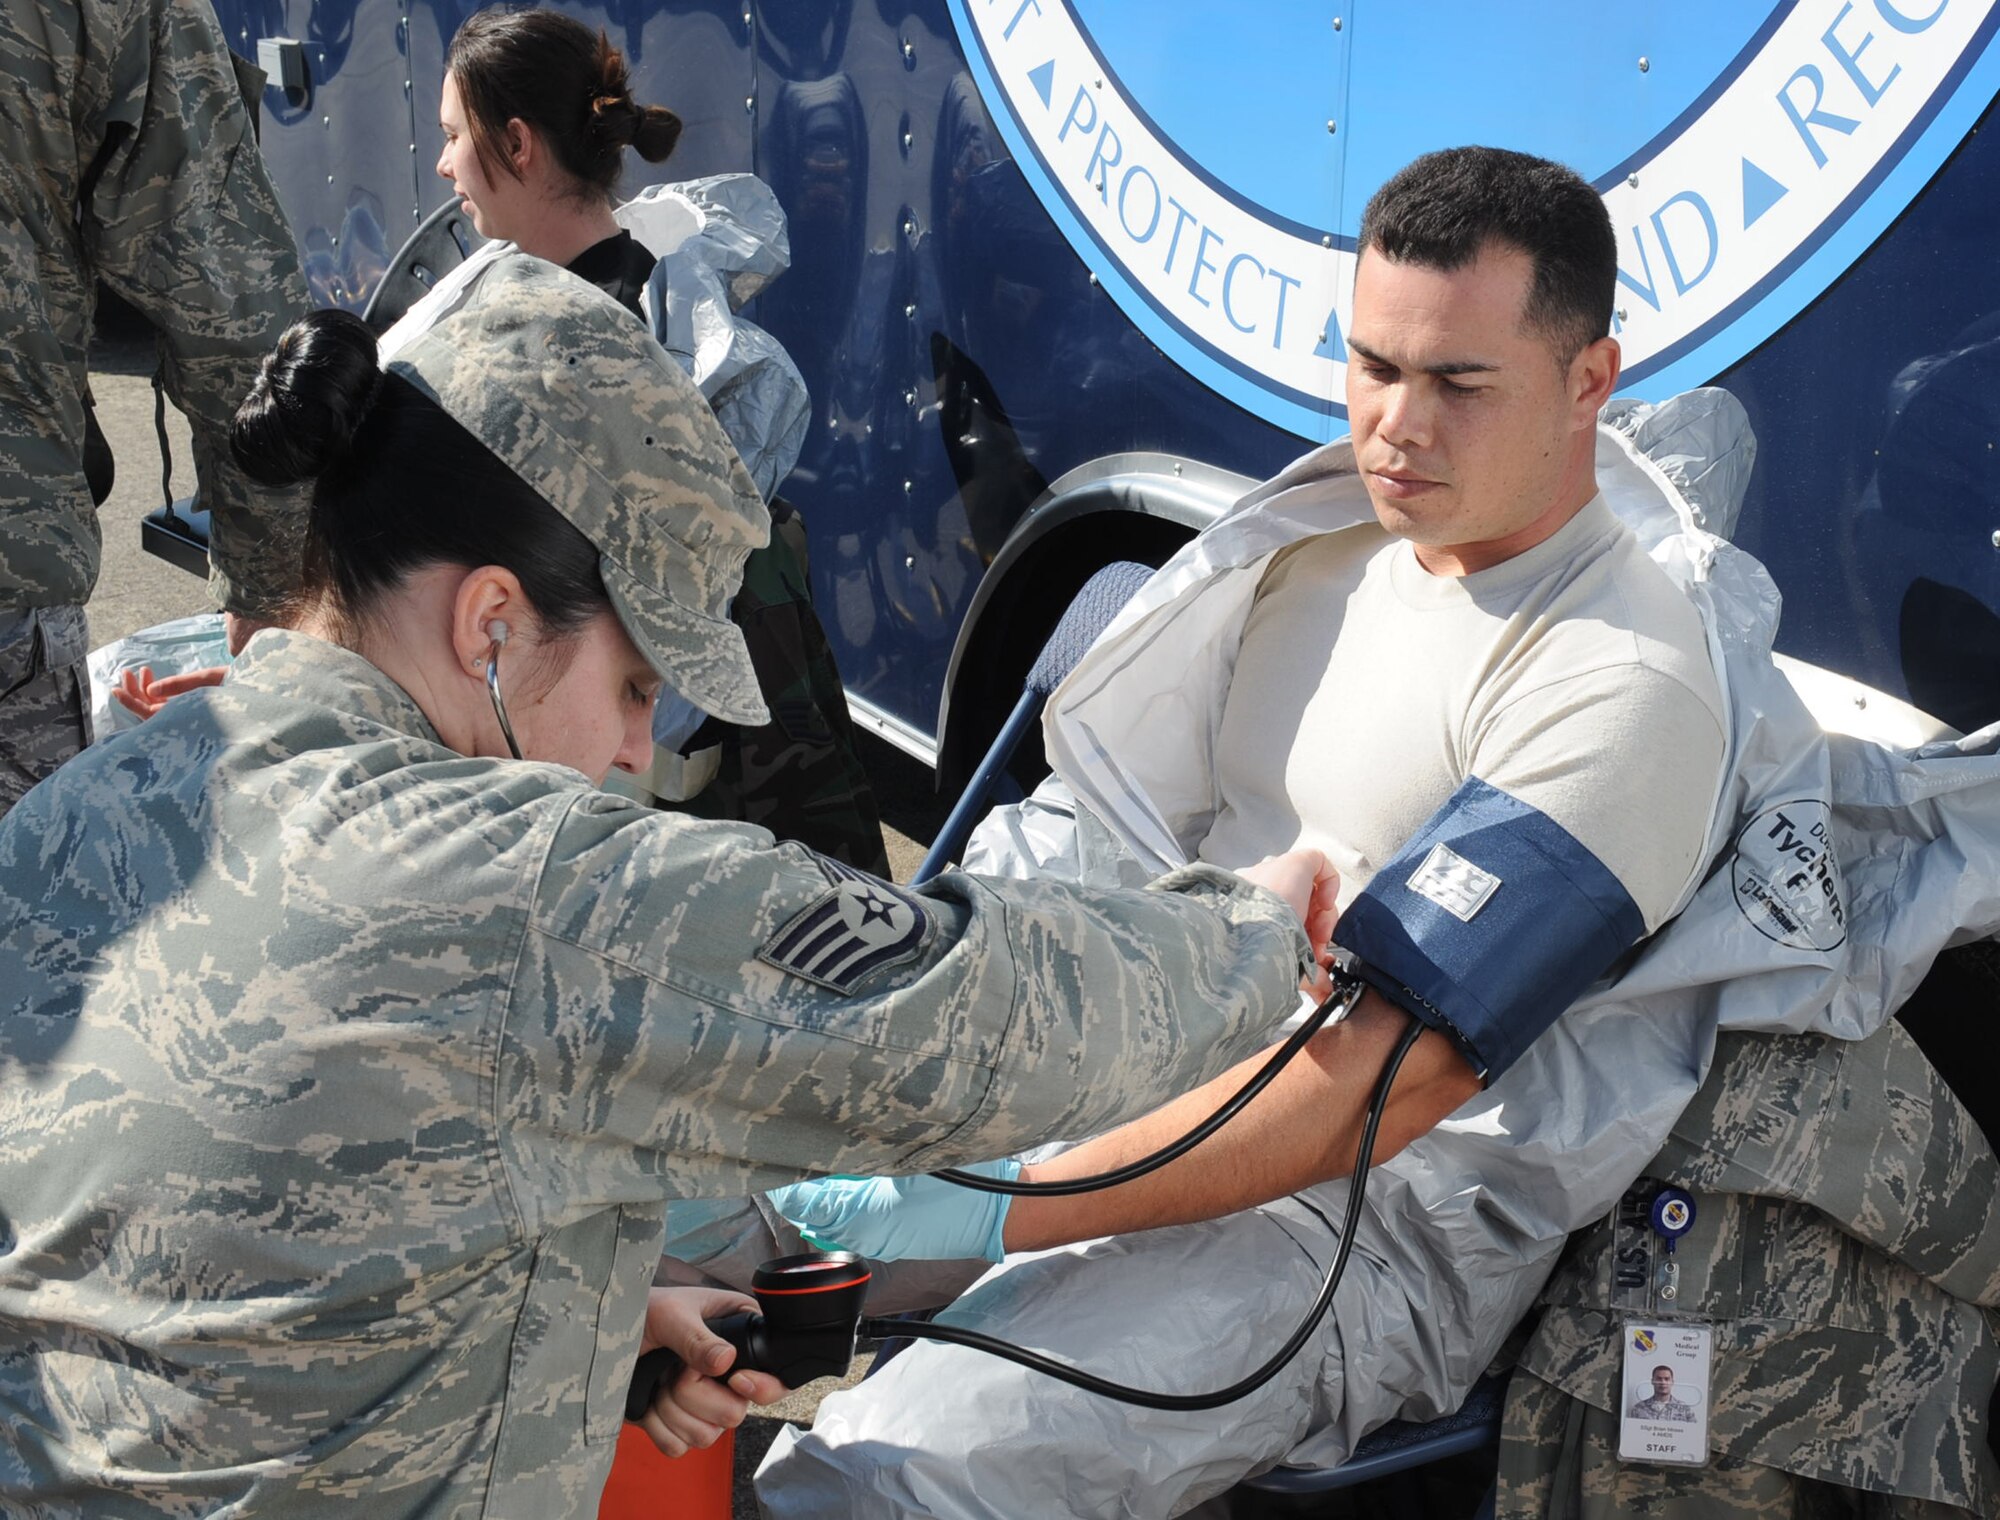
[[1488, 924], [859, 926]]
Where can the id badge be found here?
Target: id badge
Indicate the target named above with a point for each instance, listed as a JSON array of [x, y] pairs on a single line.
[[1663, 1393]]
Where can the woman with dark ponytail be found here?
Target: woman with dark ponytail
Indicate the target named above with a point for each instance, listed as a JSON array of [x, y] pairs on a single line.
[[537, 113]]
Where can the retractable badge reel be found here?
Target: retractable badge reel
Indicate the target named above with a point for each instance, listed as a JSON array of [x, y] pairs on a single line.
[[1673, 1217], [1668, 1357]]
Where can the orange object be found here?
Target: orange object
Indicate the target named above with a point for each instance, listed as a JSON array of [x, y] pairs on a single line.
[[646, 1485]]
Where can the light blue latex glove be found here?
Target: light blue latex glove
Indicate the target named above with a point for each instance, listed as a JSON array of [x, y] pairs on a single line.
[[891, 1218]]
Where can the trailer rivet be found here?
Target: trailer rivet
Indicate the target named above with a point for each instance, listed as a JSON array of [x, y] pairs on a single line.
[[1336, 23], [1996, 538], [1645, 64], [1326, 240], [1329, 126]]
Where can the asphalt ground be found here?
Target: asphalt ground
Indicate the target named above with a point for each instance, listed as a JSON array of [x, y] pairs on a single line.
[[136, 590]]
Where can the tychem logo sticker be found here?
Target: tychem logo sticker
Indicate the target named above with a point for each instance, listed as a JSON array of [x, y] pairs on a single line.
[[1786, 878]]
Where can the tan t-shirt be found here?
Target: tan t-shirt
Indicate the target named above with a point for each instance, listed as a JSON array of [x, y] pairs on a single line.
[[1575, 677]]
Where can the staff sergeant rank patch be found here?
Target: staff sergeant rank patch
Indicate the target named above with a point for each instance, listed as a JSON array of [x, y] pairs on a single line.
[[860, 925]]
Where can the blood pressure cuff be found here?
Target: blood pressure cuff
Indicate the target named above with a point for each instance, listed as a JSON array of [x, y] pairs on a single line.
[[1488, 924]]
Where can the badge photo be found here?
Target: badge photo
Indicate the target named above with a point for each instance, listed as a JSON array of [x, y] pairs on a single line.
[[1663, 1393]]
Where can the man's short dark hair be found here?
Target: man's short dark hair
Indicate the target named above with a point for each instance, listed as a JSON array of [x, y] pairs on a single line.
[[1664, 1368], [1441, 210]]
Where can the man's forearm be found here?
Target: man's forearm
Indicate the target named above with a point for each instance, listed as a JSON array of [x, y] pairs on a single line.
[[1304, 1128]]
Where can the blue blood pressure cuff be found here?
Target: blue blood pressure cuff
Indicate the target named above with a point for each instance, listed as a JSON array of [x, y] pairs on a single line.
[[1488, 924]]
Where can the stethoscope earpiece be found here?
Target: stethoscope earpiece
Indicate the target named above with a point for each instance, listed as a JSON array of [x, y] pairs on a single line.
[[498, 630]]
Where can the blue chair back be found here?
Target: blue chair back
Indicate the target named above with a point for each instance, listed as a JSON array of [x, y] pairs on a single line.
[[1089, 613]]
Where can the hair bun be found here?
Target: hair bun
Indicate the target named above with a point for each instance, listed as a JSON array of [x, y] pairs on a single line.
[[658, 130], [311, 395]]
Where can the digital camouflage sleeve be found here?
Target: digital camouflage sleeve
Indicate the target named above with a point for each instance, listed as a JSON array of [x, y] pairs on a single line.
[[127, 154]]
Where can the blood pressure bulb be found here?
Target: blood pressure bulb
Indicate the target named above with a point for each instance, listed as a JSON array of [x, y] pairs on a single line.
[[811, 1312]]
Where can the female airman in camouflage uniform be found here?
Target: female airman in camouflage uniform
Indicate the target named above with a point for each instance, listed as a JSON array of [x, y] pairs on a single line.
[[346, 1065]]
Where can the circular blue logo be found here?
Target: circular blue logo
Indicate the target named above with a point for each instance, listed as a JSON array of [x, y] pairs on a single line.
[[1673, 1213]]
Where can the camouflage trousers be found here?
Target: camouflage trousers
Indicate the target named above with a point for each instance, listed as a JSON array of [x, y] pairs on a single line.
[[44, 695], [1559, 1461]]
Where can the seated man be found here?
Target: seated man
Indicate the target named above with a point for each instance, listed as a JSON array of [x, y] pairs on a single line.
[[1502, 720]]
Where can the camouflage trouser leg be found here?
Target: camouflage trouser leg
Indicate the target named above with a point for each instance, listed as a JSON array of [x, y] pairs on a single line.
[[44, 696], [1559, 1461]]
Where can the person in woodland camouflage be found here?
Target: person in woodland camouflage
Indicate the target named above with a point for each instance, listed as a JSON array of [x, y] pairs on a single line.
[[347, 1065], [798, 775], [127, 155], [1846, 1246]]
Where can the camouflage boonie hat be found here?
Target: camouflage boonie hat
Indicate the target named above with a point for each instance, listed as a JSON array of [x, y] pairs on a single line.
[[571, 392]]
